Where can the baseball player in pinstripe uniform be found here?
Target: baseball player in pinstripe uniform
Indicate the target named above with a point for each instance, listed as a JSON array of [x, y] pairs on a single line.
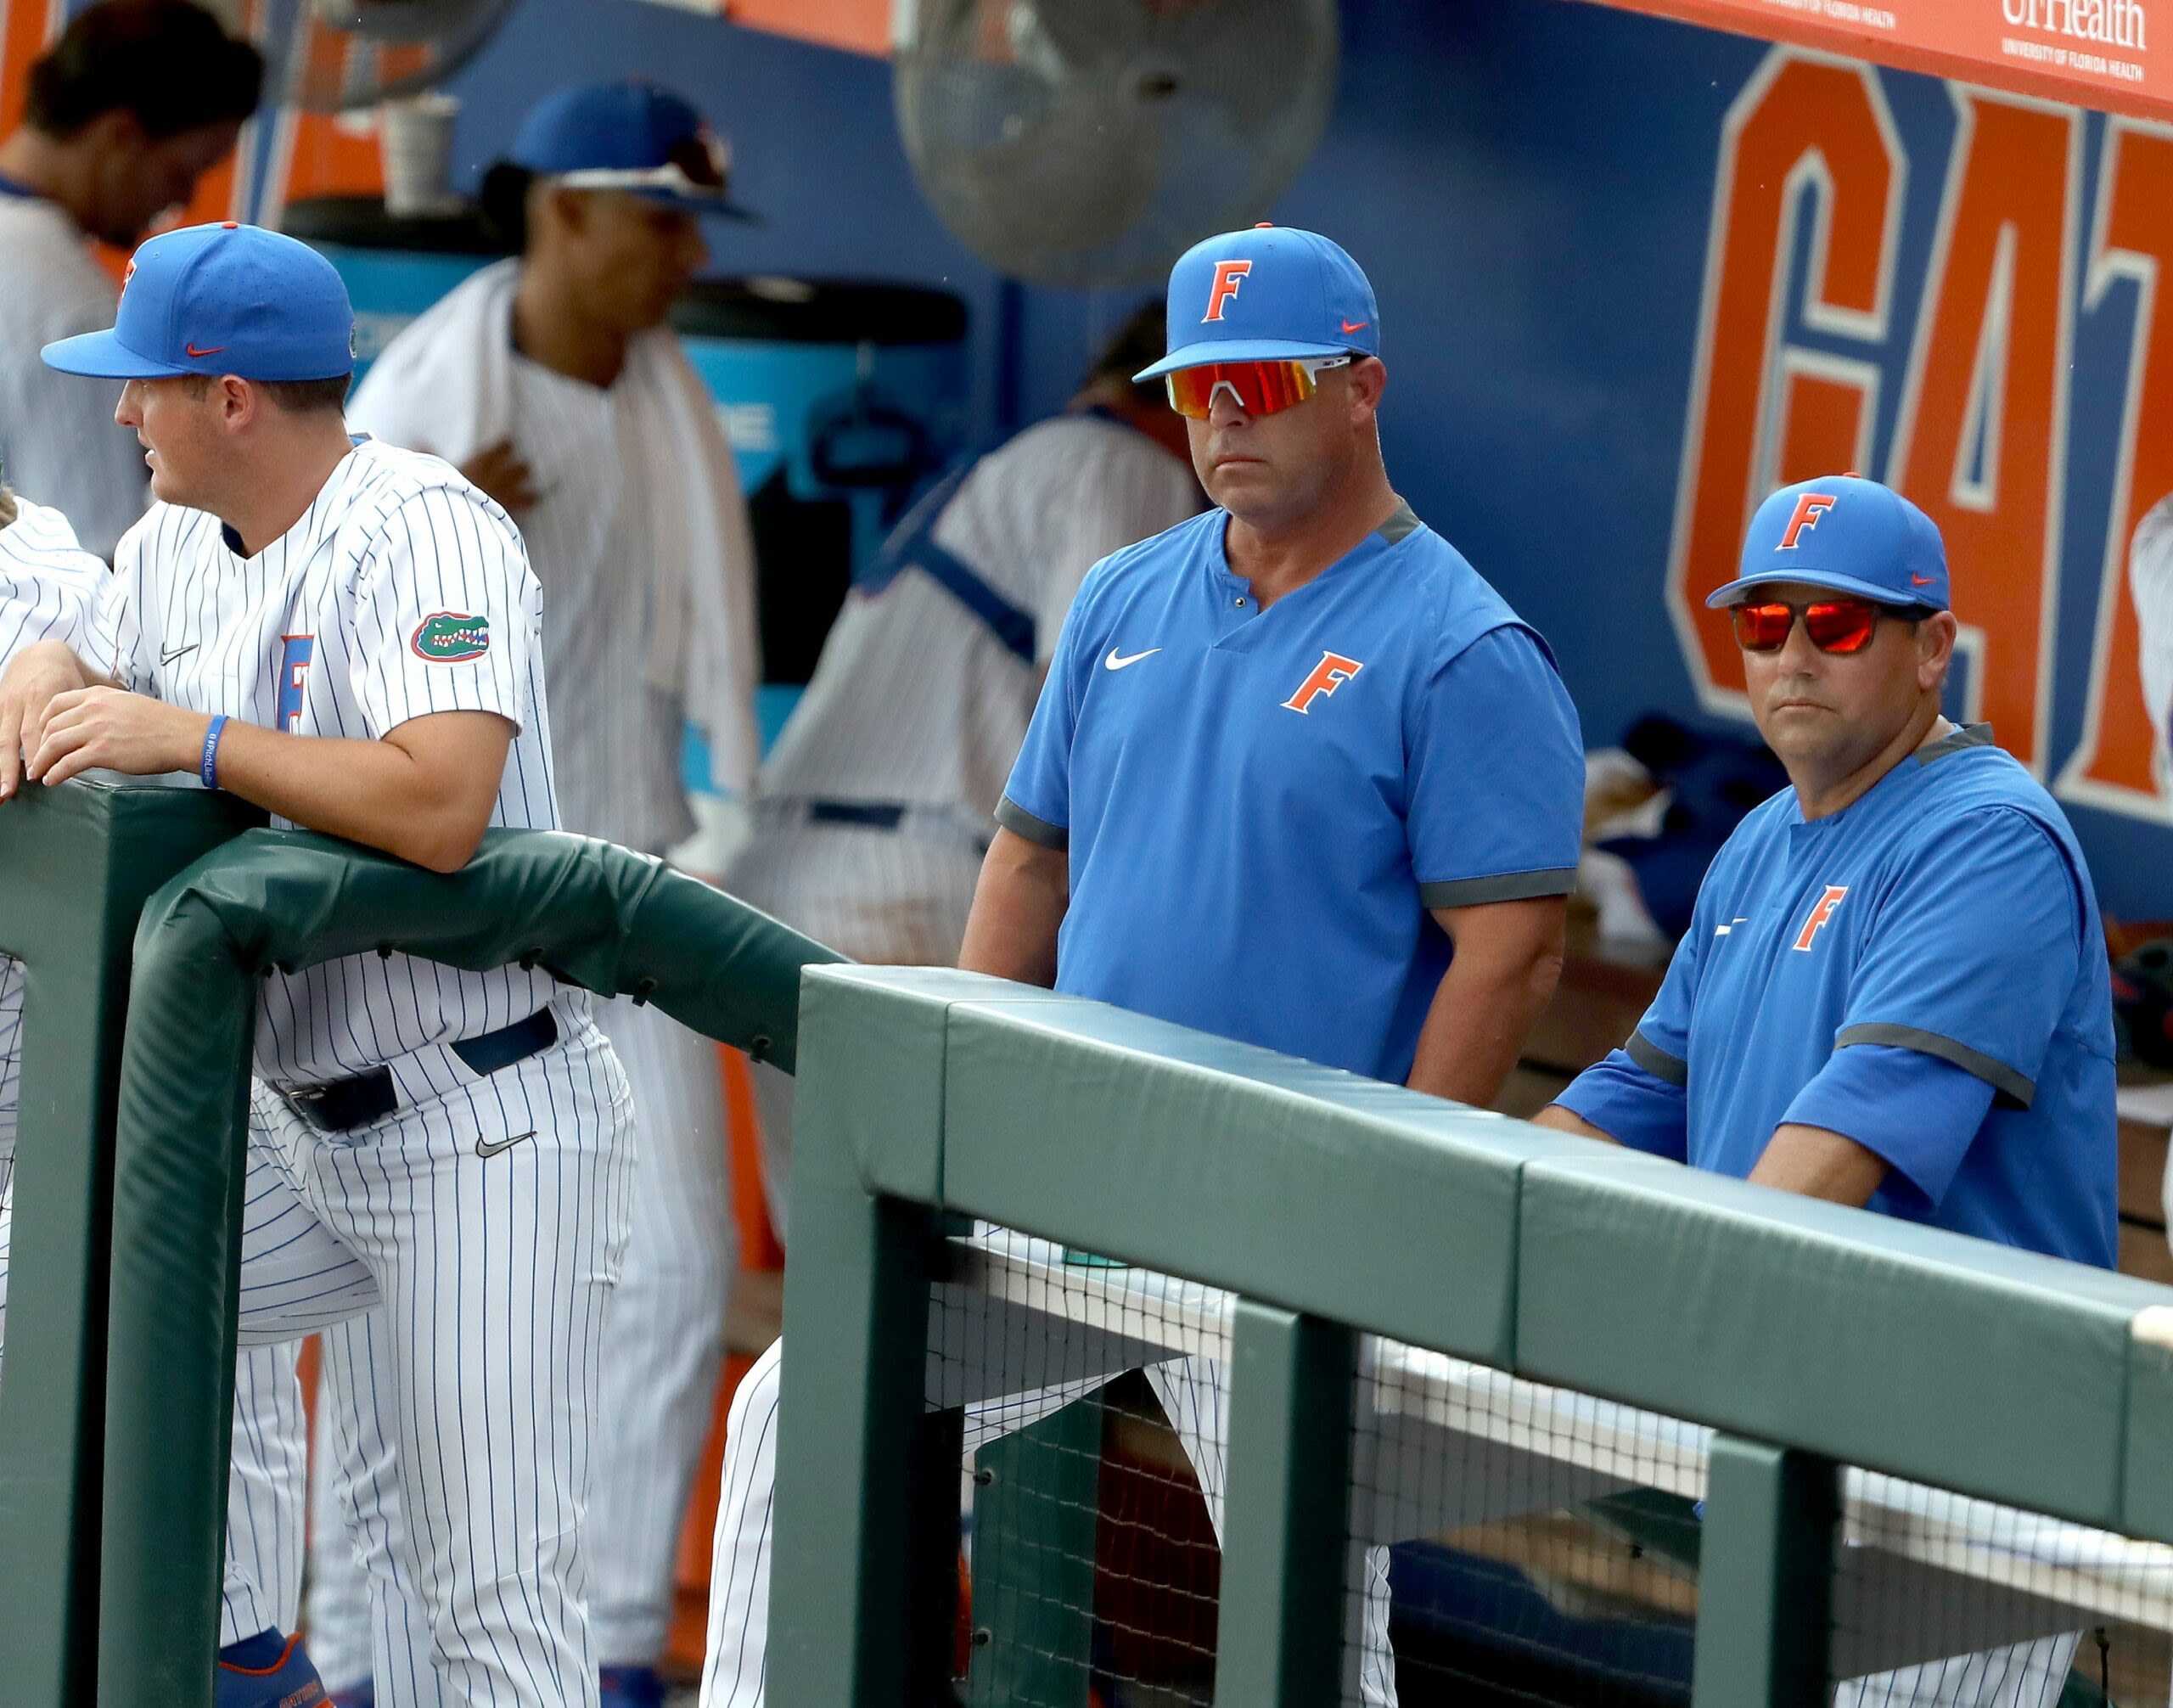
[[872, 811], [554, 381], [1373, 878], [48, 587], [347, 635]]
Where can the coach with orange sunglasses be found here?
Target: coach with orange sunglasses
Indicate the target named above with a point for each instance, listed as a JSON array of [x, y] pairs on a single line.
[[1893, 992]]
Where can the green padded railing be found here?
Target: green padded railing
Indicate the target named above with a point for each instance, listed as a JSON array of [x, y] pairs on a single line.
[[594, 915], [75, 864], [1811, 1336]]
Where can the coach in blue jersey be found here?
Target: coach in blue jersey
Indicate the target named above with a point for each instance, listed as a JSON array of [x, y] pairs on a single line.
[[1293, 752], [1893, 991], [1298, 777]]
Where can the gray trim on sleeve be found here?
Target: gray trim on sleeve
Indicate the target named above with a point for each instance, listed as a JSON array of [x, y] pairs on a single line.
[[1656, 1061], [1020, 822], [2015, 1088], [1505, 886]]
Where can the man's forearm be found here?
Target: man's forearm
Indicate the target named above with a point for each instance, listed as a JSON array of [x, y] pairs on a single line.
[[1019, 906], [1569, 1121], [1818, 1163], [370, 792], [1476, 1028]]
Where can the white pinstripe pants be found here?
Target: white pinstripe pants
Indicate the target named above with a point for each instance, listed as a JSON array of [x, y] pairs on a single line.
[[1194, 1397], [265, 1482], [492, 1273], [661, 1353]]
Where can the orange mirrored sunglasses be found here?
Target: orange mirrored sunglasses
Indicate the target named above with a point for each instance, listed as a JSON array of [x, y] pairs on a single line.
[[1841, 625], [1257, 388]]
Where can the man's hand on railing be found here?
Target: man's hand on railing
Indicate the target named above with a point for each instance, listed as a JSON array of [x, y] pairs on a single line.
[[38, 676], [111, 729]]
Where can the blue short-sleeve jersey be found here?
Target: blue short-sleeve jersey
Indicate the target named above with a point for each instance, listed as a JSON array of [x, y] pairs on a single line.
[[1924, 972], [1260, 807]]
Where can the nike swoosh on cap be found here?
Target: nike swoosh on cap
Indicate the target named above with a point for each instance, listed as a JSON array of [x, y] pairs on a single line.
[[1916, 580], [217, 348], [1356, 325], [1115, 661]]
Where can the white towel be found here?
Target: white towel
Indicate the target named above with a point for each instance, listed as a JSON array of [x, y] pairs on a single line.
[[445, 384]]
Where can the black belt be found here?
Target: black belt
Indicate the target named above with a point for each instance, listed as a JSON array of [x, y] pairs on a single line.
[[872, 815], [347, 1104]]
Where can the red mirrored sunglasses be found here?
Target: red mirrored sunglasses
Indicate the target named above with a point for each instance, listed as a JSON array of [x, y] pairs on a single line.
[[1257, 388], [1841, 625]]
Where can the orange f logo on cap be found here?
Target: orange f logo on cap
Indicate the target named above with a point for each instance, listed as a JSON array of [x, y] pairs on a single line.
[[1810, 506], [1228, 276]]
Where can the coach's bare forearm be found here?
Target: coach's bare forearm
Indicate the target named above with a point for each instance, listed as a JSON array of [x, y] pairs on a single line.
[[1568, 1120], [1508, 958], [1018, 905], [1818, 1163]]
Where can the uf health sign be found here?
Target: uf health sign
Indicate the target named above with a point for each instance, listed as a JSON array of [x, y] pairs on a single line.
[[2102, 51], [2049, 228]]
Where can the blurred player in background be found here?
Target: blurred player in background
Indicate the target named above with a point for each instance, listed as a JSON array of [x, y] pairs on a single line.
[[873, 808], [1893, 992], [124, 113], [554, 382], [1298, 777]]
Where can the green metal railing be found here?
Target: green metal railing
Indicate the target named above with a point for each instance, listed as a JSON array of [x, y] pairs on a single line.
[[1811, 1336], [125, 1249]]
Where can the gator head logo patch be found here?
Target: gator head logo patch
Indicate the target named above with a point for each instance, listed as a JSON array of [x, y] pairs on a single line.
[[450, 637]]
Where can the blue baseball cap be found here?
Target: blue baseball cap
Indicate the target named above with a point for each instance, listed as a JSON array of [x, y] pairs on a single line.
[[1266, 294], [629, 135], [1847, 533], [221, 299]]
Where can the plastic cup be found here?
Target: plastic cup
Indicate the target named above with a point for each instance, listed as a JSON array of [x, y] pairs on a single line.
[[416, 139]]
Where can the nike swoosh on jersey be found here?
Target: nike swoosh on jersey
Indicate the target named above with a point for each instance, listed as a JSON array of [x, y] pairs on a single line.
[[168, 654], [492, 1147], [1117, 661], [1722, 930]]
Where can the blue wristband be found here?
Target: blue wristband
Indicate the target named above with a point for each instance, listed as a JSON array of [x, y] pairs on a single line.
[[208, 767]]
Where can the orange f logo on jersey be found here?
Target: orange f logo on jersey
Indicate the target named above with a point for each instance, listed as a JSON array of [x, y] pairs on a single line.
[[1810, 506], [1228, 276], [1329, 674], [1822, 911]]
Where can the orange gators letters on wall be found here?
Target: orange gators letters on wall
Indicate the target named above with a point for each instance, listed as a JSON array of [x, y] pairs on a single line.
[[1800, 332]]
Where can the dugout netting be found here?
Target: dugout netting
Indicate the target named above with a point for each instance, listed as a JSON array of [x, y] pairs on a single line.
[[1517, 1542]]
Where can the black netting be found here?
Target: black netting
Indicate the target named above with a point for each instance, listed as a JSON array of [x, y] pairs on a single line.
[[1943, 1601], [1094, 1410], [1522, 1543]]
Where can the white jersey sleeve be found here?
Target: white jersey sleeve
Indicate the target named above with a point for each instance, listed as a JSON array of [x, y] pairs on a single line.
[[49, 585], [446, 614], [2150, 580], [1126, 488], [113, 628]]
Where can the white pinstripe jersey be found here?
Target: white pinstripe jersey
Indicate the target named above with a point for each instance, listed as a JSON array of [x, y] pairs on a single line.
[[402, 591], [914, 699]]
